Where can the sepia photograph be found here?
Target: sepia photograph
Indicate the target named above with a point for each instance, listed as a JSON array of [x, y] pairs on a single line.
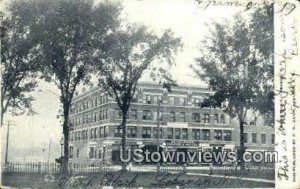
[[148, 94]]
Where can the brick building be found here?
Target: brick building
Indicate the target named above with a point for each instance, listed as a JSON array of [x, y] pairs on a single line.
[[95, 118]]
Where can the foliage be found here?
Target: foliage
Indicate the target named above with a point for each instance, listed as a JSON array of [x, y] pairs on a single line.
[[63, 32], [18, 68], [125, 56], [237, 64]]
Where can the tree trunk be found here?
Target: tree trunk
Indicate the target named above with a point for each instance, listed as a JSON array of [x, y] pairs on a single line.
[[2, 117], [242, 145], [3, 110], [66, 140], [124, 133]]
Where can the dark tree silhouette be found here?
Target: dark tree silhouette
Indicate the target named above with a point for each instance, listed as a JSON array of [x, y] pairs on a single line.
[[17, 66], [125, 56], [63, 32], [237, 64]]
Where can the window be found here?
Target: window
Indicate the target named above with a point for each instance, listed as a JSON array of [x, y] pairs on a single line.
[[222, 119], [196, 102], [77, 153], [92, 103], [100, 115], [170, 133], [147, 115], [106, 114], [184, 134], [146, 132], [83, 136], [131, 132], [273, 139], [71, 152], [101, 99], [160, 116], [78, 135], [147, 99], [159, 98], [92, 152], [196, 117], [95, 132], [118, 132], [216, 118], [133, 114], [101, 132], [182, 101], [95, 117], [206, 134], [218, 134], [92, 133], [99, 153], [172, 117], [245, 137], [177, 133], [95, 102], [134, 98], [83, 120], [75, 137], [172, 101], [105, 131], [263, 138], [155, 132], [182, 117], [119, 114], [227, 135], [106, 98], [196, 134], [254, 138], [206, 118], [155, 100], [253, 122], [176, 101]]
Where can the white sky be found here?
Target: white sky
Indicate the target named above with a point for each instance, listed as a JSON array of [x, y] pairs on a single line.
[[184, 17]]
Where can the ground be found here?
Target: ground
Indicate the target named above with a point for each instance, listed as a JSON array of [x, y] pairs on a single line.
[[128, 180]]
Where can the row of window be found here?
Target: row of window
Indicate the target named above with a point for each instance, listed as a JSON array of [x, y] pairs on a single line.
[[254, 137], [92, 118], [92, 133], [92, 152], [86, 104], [176, 117], [149, 132], [174, 101], [176, 133]]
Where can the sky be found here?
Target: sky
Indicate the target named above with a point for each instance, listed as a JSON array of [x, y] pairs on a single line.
[[184, 17]]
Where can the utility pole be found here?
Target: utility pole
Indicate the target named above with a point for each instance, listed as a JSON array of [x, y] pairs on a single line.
[[158, 133], [7, 142], [49, 150], [7, 139]]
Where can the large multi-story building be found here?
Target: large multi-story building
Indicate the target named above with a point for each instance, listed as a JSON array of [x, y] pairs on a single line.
[[95, 134]]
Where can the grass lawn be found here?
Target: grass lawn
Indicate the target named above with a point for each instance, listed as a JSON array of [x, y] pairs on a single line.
[[127, 180]]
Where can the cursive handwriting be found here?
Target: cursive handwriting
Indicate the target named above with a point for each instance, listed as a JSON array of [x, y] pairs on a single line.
[[285, 8]]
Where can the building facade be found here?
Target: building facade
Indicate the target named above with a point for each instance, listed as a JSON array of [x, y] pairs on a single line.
[[95, 133]]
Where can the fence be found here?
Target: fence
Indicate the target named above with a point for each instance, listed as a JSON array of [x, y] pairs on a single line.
[[54, 168]]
